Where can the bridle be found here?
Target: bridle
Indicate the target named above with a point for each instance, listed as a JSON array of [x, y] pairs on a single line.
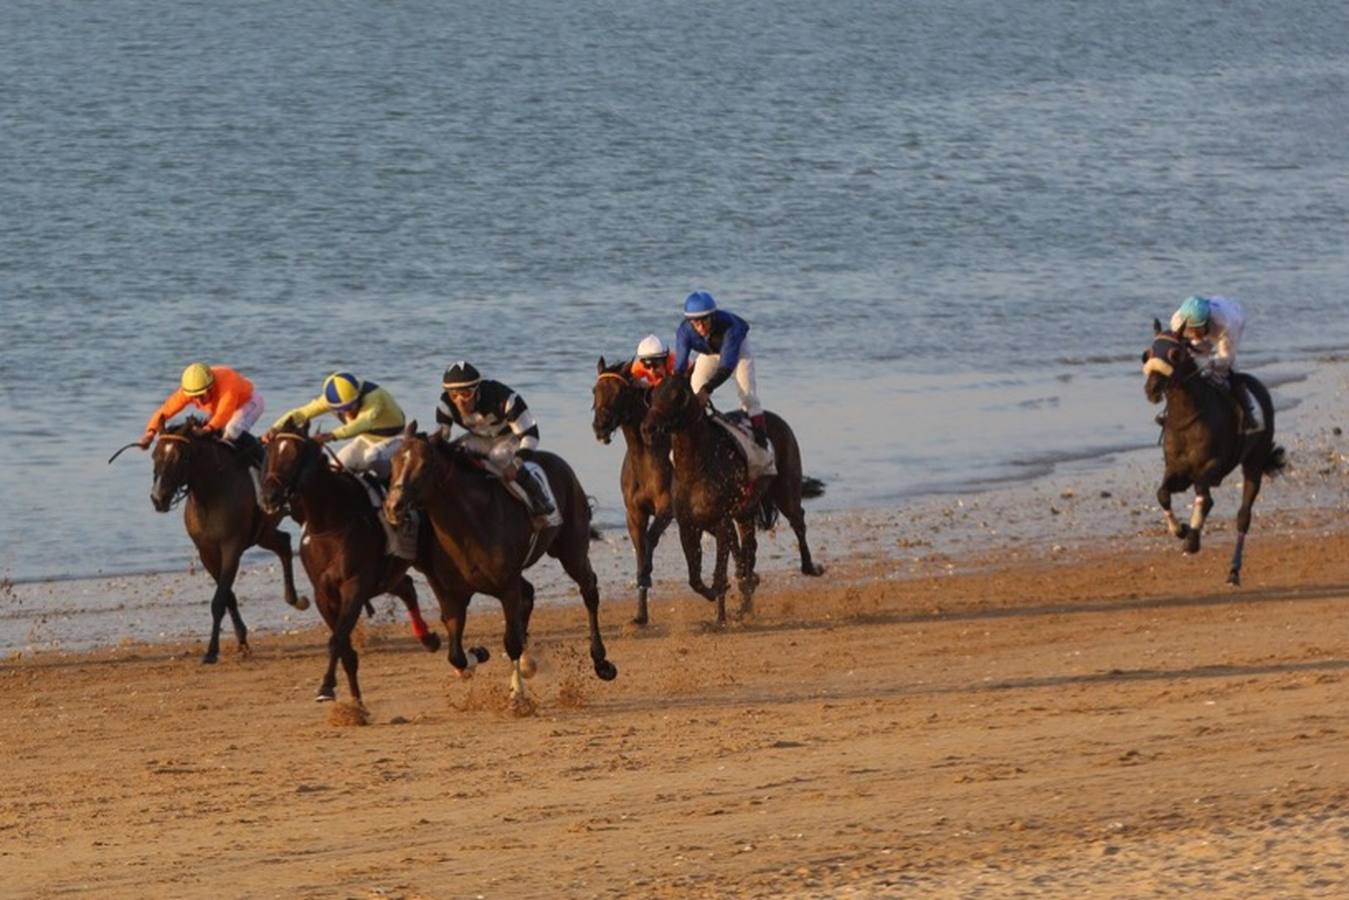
[[183, 489]]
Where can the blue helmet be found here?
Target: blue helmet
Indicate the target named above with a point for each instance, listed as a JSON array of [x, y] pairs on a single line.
[[1195, 311], [699, 304]]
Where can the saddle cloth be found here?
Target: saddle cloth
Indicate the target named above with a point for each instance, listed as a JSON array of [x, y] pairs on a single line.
[[535, 471], [400, 540], [759, 461]]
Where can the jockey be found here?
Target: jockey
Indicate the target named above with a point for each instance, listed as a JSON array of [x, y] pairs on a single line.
[[226, 395], [1213, 327], [368, 413], [652, 362], [500, 427], [721, 341]]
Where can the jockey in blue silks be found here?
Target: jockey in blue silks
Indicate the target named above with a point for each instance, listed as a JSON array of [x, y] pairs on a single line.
[[720, 341]]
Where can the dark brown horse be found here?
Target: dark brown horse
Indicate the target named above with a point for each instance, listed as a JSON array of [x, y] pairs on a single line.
[[222, 517], [622, 403], [488, 537], [710, 490], [342, 548], [1202, 440]]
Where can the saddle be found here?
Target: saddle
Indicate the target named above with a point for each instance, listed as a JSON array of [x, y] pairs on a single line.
[[760, 462]]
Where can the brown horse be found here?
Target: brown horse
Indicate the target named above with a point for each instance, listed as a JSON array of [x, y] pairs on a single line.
[[488, 536], [342, 547], [710, 490], [1202, 440], [622, 403], [222, 517]]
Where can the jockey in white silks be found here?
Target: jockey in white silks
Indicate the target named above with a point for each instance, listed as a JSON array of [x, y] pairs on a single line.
[[1213, 328]]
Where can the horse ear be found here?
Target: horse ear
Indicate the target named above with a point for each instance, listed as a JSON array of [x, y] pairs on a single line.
[[1180, 332], [600, 367], [1156, 326], [410, 431]]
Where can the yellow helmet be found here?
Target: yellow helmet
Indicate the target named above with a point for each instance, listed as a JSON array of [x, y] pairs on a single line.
[[197, 379], [341, 390]]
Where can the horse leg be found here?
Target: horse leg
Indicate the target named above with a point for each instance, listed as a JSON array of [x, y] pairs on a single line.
[[692, 539], [329, 609], [577, 565], [637, 522], [745, 560], [278, 542], [1172, 484], [405, 591], [340, 643], [788, 501], [511, 603], [229, 571], [1250, 489], [211, 559], [1203, 502], [726, 541]]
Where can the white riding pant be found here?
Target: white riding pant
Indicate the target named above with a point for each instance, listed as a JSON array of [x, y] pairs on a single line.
[[244, 417], [705, 366], [497, 452], [362, 454]]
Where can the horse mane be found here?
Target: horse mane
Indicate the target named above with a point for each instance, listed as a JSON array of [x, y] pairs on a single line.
[[183, 428]]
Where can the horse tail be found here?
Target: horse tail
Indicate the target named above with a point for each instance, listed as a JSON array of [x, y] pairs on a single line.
[[811, 487], [766, 516], [1275, 462]]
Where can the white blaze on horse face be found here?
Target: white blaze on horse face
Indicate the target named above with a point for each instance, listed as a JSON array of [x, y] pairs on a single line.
[[1159, 366]]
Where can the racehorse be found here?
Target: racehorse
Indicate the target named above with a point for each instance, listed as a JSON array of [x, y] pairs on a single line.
[[622, 403], [222, 516], [343, 547], [710, 492], [1202, 440], [488, 536]]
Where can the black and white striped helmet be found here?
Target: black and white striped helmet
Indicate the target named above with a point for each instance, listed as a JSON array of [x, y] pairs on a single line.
[[460, 376]]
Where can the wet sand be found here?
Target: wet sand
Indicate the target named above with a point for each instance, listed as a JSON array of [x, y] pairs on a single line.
[[1106, 721]]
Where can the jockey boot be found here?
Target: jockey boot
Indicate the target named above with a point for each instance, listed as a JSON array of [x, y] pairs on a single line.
[[250, 448], [760, 430], [539, 506], [1250, 421]]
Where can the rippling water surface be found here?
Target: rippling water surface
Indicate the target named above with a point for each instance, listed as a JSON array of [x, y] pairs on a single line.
[[949, 223]]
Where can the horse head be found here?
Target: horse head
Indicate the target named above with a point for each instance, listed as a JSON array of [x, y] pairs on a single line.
[[617, 399], [411, 473], [673, 408], [1167, 359], [172, 464], [290, 458]]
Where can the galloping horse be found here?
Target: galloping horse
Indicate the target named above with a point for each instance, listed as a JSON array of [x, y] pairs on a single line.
[[646, 475], [1201, 442], [222, 517], [488, 536], [710, 490], [343, 547]]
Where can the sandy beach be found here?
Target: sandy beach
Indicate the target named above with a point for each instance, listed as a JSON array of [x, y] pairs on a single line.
[[1117, 723]]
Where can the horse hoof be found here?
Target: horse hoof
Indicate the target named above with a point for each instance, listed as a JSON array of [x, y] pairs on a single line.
[[431, 642], [209, 659], [1192, 542], [245, 651], [480, 654], [528, 667], [1182, 532], [606, 670], [812, 570], [301, 603], [1234, 578], [325, 697], [639, 620]]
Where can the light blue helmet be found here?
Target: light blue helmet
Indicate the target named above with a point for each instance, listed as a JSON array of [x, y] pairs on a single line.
[[699, 304], [1195, 311]]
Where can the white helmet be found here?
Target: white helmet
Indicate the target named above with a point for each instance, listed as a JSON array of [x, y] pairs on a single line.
[[651, 346]]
